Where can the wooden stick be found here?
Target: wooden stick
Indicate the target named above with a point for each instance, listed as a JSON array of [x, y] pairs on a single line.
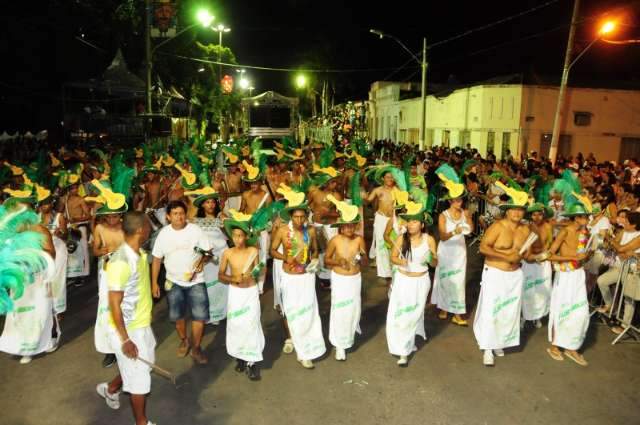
[[160, 371]]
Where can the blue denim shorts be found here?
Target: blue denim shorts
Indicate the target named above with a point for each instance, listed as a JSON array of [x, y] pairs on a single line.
[[195, 297]]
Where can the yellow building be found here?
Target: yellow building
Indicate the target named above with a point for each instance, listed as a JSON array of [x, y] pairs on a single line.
[[497, 117]]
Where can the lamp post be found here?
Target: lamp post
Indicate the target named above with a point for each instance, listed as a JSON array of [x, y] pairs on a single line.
[[607, 28], [220, 28], [423, 88], [204, 18]]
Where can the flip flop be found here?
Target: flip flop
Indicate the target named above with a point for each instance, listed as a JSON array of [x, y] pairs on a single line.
[[579, 360], [555, 355]]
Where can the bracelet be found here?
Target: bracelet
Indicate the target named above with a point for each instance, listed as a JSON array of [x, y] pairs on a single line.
[[125, 341]]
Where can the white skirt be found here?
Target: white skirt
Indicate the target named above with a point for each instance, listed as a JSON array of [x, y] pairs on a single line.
[[405, 316], [102, 327], [217, 292], [497, 321], [569, 313], [378, 249], [301, 310], [59, 280], [277, 291], [346, 307], [27, 329], [536, 293], [449, 282], [245, 339]]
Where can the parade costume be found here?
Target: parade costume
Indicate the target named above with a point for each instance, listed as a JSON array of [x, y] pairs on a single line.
[[449, 283], [496, 324]]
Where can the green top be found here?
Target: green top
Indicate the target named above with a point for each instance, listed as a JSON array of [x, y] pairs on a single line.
[[128, 272]]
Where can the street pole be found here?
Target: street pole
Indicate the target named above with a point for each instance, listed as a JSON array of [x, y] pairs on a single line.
[[147, 48], [220, 56], [423, 110], [553, 150]]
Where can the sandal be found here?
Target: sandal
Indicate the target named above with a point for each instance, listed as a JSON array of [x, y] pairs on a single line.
[[555, 355], [443, 315], [459, 321], [576, 358]]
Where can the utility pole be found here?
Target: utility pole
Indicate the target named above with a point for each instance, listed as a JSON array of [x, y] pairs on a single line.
[[553, 150], [423, 109], [147, 49]]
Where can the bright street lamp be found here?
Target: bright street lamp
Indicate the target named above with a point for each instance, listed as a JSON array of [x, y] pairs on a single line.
[[244, 83], [607, 28], [301, 81], [205, 17], [220, 28]]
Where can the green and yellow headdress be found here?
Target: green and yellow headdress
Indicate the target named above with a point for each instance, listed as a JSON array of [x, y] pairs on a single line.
[[295, 200], [349, 214], [113, 193], [451, 181], [575, 202]]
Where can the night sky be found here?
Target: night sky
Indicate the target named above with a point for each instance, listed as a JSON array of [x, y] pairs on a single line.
[[40, 52]]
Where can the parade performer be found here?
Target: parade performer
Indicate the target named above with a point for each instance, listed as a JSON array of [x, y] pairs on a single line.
[[300, 259], [241, 269], [497, 321], [449, 286], [569, 312], [107, 238], [535, 267], [413, 253], [78, 216], [130, 306], [27, 256], [209, 218], [345, 252]]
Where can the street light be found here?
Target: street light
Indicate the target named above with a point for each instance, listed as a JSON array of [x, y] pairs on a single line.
[[220, 28], [301, 81], [251, 89], [204, 18], [423, 87], [606, 28], [244, 83]]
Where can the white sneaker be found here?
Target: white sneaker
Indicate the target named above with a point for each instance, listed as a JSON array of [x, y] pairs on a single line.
[[487, 360], [307, 364], [538, 324], [26, 359], [288, 346], [112, 400], [54, 347], [403, 362], [341, 354], [499, 352]]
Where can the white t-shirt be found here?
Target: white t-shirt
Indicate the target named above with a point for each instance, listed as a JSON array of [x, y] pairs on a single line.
[[176, 247]]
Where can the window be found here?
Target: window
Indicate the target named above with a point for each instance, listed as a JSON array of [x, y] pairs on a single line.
[[582, 119], [506, 145], [491, 141]]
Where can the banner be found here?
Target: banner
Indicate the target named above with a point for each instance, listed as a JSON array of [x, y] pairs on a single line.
[[163, 19]]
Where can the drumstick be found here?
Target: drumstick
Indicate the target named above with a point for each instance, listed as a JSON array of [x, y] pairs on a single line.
[[160, 371]]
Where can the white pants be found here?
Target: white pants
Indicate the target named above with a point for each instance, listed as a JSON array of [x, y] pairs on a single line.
[[136, 375], [346, 307]]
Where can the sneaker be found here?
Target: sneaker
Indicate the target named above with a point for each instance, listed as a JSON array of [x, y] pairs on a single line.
[[288, 346], [54, 347], [112, 400], [538, 324], [198, 356], [307, 364], [341, 354], [26, 359], [487, 360], [253, 373], [403, 362], [109, 360], [499, 352], [183, 348], [240, 366]]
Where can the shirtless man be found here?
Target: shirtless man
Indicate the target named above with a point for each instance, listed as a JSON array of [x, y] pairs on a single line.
[[537, 269], [496, 324], [324, 215], [107, 238], [78, 215], [344, 254], [245, 339], [569, 311], [77, 210], [383, 196], [252, 200], [300, 304], [233, 180]]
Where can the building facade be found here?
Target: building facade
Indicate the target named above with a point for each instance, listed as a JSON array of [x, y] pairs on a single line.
[[515, 117]]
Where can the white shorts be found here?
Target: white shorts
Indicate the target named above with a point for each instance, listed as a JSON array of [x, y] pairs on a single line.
[[136, 376]]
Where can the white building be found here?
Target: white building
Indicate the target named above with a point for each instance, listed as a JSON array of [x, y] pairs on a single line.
[[497, 117]]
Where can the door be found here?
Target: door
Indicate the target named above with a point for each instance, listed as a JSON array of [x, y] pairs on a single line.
[[564, 145]]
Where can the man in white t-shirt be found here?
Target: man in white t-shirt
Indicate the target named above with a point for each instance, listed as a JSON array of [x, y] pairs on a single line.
[[176, 246]]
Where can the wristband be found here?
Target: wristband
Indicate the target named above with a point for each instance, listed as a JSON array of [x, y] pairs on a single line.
[[125, 341]]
